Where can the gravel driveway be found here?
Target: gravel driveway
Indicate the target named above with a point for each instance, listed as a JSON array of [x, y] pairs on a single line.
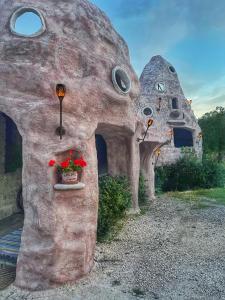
[[173, 251]]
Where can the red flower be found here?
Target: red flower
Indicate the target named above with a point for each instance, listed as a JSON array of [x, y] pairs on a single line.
[[65, 164], [83, 163], [51, 163], [71, 152], [77, 162], [80, 162]]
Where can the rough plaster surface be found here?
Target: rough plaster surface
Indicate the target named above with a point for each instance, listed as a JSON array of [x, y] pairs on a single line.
[[78, 48], [157, 71]]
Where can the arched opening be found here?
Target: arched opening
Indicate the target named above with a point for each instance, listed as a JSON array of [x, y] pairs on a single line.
[[101, 155], [182, 138], [11, 200]]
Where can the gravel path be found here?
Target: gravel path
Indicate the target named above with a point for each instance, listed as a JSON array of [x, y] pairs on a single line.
[[174, 251]]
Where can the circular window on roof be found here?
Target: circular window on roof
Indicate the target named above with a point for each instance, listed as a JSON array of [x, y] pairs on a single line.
[[148, 111], [172, 69], [121, 80], [27, 22]]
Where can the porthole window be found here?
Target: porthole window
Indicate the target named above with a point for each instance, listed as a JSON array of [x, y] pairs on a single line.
[[148, 111], [160, 87], [172, 69], [121, 80], [27, 22]]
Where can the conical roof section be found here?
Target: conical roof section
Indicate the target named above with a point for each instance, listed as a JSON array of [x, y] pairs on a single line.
[[159, 70]]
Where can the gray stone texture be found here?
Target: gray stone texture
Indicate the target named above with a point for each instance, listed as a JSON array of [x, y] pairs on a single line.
[[165, 117]]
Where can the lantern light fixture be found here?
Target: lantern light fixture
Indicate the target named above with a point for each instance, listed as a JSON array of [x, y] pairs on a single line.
[[60, 92], [157, 153], [149, 124]]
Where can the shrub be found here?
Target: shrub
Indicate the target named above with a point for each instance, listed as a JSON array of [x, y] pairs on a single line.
[[189, 172], [142, 194], [114, 199]]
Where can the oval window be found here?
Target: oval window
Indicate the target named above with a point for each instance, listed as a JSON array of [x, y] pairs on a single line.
[[121, 80], [172, 69], [27, 22], [148, 111]]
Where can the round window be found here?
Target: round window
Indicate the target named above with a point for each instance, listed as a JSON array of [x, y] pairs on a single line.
[[121, 80], [148, 111], [172, 69], [27, 22], [160, 87]]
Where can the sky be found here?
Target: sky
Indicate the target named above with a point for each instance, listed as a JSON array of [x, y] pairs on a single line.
[[190, 34]]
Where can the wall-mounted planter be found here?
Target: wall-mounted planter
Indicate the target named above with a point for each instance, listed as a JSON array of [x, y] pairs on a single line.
[[67, 187]]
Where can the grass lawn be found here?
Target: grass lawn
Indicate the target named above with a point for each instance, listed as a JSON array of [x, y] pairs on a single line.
[[202, 197]]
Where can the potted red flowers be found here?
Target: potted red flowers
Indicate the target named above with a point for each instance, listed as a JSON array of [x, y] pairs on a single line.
[[70, 168]]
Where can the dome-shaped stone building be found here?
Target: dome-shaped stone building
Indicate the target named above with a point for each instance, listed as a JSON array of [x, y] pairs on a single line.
[[162, 98], [77, 47]]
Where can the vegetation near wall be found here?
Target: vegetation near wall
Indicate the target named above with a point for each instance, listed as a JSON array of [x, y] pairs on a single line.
[[213, 128], [114, 200], [142, 193], [190, 173]]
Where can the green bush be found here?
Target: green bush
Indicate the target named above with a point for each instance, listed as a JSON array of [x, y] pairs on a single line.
[[188, 173], [114, 199], [142, 194]]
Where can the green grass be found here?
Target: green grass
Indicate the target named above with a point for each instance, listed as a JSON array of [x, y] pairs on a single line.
[[202, 197]]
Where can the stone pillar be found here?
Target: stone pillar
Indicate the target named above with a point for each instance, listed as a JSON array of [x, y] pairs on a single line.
[[134, 172], [59, 235], [147, 167]]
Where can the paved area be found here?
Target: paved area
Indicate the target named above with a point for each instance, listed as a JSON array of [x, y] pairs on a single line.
[[173, 251]]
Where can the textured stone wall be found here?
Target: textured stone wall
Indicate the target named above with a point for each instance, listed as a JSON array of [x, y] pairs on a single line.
[[159, 99], [79, 48], [9, 182]]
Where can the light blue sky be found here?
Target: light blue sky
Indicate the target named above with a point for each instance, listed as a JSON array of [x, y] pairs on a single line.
[[188, 33]]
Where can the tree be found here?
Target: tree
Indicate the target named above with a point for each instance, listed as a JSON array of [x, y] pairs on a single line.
[[213, 129]]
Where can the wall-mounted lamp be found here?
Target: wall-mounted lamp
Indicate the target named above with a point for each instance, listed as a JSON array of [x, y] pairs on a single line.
[[60, 92], [199, 137], [159, 105], [189, 102], [157, 153], [149, 124], [170, 134]]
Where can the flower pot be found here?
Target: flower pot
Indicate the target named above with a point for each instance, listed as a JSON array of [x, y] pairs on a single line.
[[70, 178]]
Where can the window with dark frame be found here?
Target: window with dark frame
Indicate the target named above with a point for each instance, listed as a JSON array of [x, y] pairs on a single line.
[[182, 138]]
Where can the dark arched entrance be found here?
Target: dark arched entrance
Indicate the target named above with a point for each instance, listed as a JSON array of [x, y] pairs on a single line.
[[11, 200], [101, 154]]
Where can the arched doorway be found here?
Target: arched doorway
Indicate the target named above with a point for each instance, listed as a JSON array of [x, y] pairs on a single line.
[[11, 200], [101, 154]]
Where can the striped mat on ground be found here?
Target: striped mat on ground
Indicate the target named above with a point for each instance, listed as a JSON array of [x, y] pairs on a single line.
[[9, 247]]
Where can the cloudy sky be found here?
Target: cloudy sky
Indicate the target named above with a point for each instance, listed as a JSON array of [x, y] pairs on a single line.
[[190, 34]]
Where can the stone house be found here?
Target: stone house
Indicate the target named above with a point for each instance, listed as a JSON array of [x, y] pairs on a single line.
[[77, 46], [103, 118], [162, 99]]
